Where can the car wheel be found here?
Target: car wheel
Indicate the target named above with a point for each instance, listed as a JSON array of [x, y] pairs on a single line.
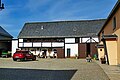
[[34, 58], [14, 59], [6, 56], [25, 59]]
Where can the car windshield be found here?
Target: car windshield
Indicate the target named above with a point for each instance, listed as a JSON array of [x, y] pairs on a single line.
[[24, 52]]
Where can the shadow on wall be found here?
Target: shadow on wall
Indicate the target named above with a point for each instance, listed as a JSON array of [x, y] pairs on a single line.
[[35, 74]]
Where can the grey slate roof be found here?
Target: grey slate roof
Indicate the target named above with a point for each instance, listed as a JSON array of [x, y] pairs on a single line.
[[82, 28], [4, 34]]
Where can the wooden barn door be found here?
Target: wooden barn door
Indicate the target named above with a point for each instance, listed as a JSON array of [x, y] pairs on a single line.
[[82, 50], [93, 49], [60, 53]]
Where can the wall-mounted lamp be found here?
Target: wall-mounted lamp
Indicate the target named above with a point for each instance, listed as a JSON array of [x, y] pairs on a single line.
[[1, 5]]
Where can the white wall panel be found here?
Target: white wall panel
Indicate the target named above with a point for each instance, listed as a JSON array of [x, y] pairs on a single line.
[[95, 39], [14, 46], [80, 40], [69, 40], [85, 40], [20, 44], [46, 44], [20, 40], [37, 44], [56, 44], [73, 48], [28, 44]]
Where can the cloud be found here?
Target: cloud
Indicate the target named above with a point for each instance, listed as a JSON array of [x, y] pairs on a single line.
[[71, 18]]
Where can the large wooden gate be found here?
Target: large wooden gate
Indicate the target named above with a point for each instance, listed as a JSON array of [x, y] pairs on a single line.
[[82, 50], [60, 52]]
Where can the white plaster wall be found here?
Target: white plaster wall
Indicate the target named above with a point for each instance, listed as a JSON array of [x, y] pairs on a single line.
[[74, 49], [85, 40], [69, 40], [37, 44], [96, 39], [28, 44], [20, 44], [14, 46], [46, 44], [56, 44], [20, 40], [80, 40]]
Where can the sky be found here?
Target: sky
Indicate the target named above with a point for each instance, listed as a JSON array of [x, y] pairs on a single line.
[[18, 12]]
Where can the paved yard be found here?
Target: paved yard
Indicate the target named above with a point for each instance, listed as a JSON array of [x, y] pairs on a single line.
[[51, 69]]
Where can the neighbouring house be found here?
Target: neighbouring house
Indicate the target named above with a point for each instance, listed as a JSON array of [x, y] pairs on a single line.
[[5, 41], [65, 39], [109, 36]]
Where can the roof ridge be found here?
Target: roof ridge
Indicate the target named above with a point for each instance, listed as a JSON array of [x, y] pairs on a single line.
[[65, 21]]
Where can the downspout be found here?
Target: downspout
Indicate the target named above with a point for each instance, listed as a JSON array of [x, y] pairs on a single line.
[[64, 48], [105, 49]]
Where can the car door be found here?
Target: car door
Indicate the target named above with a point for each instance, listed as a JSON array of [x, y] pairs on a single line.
[[28, 55]]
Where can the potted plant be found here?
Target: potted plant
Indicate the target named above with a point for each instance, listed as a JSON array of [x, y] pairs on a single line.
[[76, 56], [103, 61]]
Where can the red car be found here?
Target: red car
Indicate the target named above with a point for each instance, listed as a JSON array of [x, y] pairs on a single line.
[[23, 55]]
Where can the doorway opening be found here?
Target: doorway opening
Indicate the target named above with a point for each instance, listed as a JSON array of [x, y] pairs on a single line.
[[68, 52], [87, 49]]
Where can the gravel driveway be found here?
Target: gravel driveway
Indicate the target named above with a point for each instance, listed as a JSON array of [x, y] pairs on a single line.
[[51, 69]]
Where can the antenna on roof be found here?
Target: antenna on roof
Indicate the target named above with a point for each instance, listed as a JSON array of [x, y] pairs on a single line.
[[1, 5], [42, 27]]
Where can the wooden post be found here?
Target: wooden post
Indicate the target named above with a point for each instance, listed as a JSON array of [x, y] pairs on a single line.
[[105, 49]]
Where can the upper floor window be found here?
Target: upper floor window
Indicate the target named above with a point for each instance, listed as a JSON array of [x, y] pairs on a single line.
[[76, 40], [114, 23], [24, 40]]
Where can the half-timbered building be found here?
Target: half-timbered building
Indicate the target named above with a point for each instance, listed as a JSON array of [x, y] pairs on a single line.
[[65, 39]]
